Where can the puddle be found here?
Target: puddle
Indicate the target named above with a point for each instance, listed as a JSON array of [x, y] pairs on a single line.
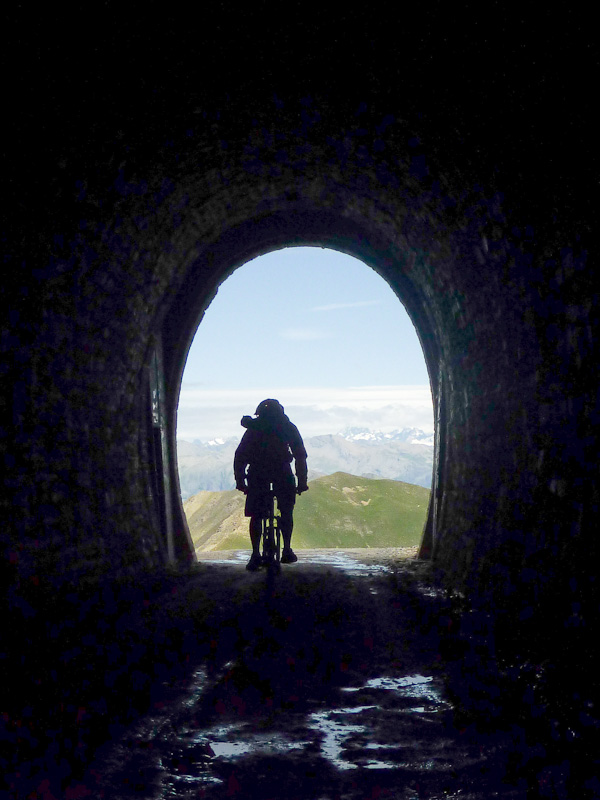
[[391, 683], [255, 744], [412, 686], [230, 749], [337, 558], [336, 745], [234, 741], [341, 560], [335, 732], [185, 786], [232, 557]]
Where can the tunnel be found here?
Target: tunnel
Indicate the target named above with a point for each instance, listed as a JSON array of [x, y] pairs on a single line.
[[112, 258], [119, 319]]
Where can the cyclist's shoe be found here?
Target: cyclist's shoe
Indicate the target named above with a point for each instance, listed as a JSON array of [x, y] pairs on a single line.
[[288, 556], [254, 563]]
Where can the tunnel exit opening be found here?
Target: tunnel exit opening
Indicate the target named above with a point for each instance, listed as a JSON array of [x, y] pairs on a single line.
[[305, 341]]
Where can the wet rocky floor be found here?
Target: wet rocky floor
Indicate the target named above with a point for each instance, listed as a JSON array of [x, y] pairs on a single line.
[[349, 676], [334, 688]]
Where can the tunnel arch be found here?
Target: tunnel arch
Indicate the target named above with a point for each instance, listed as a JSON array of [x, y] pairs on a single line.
[[348, 249], [319, 209], [134, 278], [425, 235]]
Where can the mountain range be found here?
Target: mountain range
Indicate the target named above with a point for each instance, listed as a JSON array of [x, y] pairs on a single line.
[[403, 455], [339, 510]]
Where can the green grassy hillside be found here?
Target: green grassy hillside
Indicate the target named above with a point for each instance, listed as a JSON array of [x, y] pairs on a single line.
[[216, 520], [339, 510]]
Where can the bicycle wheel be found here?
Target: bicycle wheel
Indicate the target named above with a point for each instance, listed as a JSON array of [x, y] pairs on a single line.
[[277, 531], [271, 541]]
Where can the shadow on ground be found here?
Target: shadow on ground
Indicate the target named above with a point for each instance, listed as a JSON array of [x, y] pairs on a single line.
[[332, 683]]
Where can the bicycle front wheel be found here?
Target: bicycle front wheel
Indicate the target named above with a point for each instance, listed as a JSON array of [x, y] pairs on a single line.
[[271, 547]]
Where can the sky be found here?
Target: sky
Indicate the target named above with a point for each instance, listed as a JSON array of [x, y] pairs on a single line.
[[319, 331]]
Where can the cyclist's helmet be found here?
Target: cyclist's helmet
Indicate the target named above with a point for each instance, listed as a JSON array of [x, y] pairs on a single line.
[[269, 408]]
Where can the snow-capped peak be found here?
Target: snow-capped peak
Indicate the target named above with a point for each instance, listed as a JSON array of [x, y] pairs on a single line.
[[408, 435]]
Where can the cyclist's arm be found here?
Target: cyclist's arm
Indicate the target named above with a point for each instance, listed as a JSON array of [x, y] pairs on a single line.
[[302, 474], [300, 456], [240, 462]]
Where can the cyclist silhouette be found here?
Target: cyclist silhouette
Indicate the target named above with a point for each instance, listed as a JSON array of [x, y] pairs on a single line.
[[267, 449]]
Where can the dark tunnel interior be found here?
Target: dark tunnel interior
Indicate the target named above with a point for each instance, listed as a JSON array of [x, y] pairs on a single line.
[[144, 161]]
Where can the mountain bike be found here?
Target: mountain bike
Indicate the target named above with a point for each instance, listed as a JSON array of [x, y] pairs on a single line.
[[271, 537]]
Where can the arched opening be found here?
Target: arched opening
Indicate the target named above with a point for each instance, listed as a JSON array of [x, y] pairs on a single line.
[[273, 233], [319, 330]]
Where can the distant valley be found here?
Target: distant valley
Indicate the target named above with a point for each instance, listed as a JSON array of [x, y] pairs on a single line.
[[339, 510], [405, 455]]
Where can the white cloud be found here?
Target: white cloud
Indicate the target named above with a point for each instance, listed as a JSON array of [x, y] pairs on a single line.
[[205, 413]]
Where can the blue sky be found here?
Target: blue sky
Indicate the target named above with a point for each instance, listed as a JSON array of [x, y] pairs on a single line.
[[318, 330]]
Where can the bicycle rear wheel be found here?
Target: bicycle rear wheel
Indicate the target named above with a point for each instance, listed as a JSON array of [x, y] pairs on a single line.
[[271, 541]]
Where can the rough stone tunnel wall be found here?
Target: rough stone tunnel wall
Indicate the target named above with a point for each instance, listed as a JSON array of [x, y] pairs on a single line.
[[136, 245]]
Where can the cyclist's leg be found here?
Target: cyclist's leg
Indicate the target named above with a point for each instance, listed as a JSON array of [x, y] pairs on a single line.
[[255, 533], [255, 508], [287, 526], [286, 498]]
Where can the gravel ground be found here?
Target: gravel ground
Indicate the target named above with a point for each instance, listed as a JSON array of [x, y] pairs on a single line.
[[329, 684], [386, 556], [350, 676]]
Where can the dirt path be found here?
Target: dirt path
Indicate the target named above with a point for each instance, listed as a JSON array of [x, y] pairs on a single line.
[[384, 556], [332, 687]]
